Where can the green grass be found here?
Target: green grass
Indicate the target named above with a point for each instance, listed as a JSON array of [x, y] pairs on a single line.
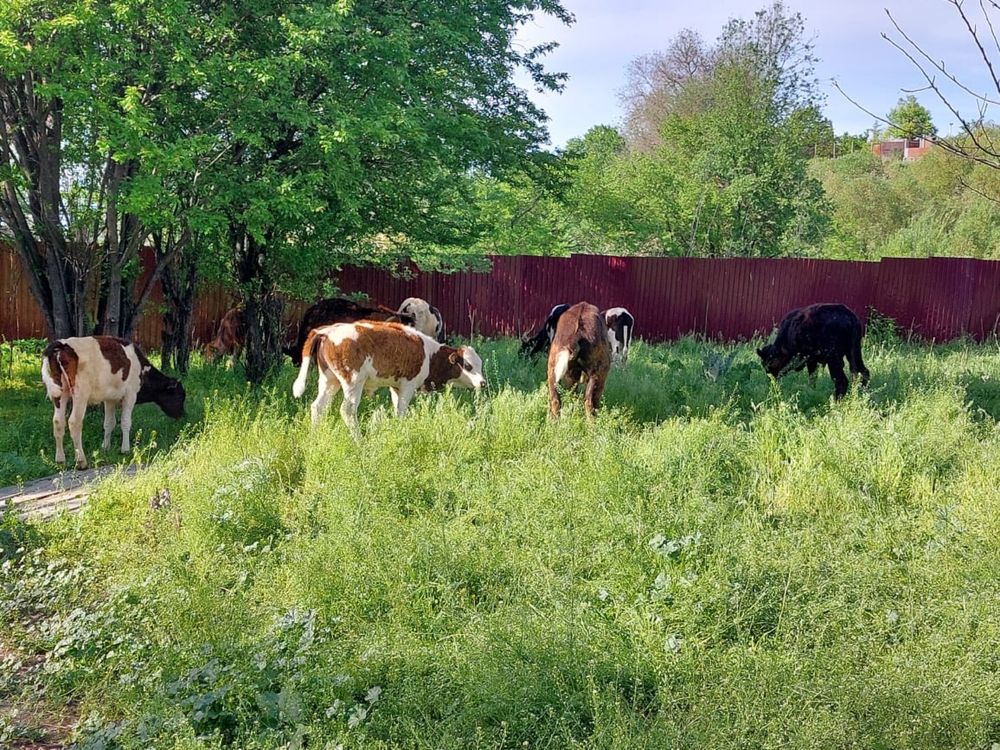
[[707, 564]]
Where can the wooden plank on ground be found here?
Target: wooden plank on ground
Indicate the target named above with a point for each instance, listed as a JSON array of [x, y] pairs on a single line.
[[66, 491]]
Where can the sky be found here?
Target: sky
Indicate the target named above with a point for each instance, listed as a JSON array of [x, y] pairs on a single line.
[[607, 34]]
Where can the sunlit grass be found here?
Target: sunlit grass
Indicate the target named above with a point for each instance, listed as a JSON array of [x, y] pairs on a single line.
[[707, 564]]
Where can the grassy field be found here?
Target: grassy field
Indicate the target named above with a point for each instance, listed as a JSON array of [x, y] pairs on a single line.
[[722, 563]]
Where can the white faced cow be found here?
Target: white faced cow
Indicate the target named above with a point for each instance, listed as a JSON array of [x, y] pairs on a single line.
[[365, 356], [620, 325], [108, 370], [427, 318]]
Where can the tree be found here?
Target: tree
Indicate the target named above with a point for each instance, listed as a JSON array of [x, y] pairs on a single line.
[[365, 120], [910, 119], [84, 92], [734, 129]]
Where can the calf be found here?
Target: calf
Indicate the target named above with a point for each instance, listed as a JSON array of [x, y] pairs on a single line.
[[365, 356], [339, 310], [426, 318], [580, 351], [819, 334], [230, 337], [108, 370], [541, 341], [620, 326]]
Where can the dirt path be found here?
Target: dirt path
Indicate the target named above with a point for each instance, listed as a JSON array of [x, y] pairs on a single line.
[[65, 491]]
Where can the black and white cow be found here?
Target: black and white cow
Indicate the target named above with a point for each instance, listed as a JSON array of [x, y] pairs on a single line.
[[620, 324], [540, 342]]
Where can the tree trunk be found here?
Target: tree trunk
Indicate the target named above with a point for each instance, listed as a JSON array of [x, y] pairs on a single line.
[[261, 307], [179, 281]]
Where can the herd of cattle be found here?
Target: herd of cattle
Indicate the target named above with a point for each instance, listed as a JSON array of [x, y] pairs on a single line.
[[358, 349]]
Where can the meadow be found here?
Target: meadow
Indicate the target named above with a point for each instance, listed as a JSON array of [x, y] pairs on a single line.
[[715, 561]]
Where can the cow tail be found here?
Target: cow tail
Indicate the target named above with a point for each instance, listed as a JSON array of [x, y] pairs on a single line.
[[308, 351]]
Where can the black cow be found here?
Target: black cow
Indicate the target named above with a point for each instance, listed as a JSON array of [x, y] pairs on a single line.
[[821, 334], [540, 342]]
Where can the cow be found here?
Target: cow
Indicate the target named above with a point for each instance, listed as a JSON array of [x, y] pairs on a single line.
[[229, 338], [540, 342], [102, 369], [819, 334], [580, 351], [367, 355], [426, 318], [339, 310], [620, 325]]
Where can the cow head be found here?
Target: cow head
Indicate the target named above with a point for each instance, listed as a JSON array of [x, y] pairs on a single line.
[[774, 359], [470, 368], [164, 391], [461, 367]]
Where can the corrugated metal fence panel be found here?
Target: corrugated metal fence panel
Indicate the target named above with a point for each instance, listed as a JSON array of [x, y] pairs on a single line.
[[20, 316], [984, 317], [725, 298]]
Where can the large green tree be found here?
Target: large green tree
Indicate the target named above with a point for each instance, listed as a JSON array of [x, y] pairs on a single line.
[[910, 119], [727, 171]]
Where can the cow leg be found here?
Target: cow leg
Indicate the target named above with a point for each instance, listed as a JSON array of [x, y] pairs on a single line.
[[109, 424], [328, 387], [555, 404], [128, 404], [349, 407], [59, 427], [856, 362], [595, 388], [812, 365], [401, 398], [76, 426], [840, 381]]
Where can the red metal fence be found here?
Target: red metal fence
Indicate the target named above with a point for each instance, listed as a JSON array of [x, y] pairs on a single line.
[[724, 298]]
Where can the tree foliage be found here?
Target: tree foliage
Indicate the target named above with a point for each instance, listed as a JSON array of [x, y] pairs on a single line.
[[910, 119]]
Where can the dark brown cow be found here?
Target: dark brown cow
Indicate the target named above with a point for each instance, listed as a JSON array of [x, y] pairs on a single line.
[[108, 370], [339, 310], [230, 337], [820, 334], [580, 351]]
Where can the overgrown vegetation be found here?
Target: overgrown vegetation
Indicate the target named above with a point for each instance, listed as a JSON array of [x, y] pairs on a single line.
[[716, 561]]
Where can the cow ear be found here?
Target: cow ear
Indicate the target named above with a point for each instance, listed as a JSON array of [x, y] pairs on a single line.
[[455, 357]]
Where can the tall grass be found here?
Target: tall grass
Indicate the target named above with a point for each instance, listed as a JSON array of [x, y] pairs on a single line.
[[707, 564]]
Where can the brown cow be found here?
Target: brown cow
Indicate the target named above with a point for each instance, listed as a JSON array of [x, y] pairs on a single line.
[[580, 351], [108, 370], [364, 356], [230, 337]]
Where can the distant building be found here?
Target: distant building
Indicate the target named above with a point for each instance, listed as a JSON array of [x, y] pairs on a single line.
[[907, 149]]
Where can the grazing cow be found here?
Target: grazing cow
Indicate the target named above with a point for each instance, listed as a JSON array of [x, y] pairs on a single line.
[[230, 337], [819, 334], [108, 370], [365, 356], [580, 351], [541, 341], [426, 318], [620, 324], [338, 310]]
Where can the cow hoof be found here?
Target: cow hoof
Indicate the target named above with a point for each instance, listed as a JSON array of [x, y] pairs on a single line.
[[81, 465]]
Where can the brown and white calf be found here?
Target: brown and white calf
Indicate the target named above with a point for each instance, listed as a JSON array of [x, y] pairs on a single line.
[[229, 339], [580, 352], [108, 370], [365, 356], [426, 318], [620, 325]]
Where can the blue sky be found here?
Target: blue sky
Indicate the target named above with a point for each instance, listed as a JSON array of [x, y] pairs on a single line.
[[609, 33]]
